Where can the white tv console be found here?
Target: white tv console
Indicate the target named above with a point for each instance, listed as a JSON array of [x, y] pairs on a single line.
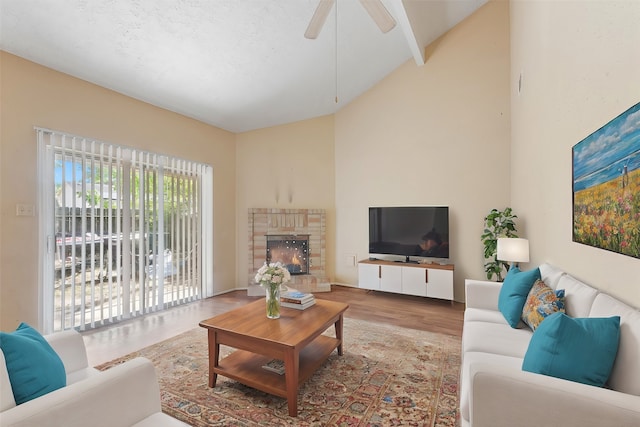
[[425, 280]]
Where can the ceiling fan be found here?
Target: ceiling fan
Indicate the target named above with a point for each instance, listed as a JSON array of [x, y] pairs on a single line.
[[376, 9]]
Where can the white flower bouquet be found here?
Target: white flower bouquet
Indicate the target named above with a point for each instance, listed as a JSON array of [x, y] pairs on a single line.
[[272, 277], [274, 274]]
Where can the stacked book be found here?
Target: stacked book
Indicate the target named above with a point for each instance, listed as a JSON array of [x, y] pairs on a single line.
[[297, 300], [274, 365]]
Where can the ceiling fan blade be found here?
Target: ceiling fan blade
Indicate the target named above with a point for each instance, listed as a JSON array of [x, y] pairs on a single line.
[[318, 18], [379, 14]]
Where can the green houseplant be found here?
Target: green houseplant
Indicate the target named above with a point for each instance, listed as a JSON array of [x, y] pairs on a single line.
[[497, 224]]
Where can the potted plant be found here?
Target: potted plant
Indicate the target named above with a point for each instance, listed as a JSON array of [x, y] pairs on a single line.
[[497, 224]]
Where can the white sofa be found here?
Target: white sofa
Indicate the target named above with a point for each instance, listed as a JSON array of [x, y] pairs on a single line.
[[125, 395], [496, 392]]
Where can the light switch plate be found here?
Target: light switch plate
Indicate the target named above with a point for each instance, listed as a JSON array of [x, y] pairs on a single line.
[[25, 210]]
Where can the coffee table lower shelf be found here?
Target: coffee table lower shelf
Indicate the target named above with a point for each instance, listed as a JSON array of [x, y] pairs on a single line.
[[246, 367]]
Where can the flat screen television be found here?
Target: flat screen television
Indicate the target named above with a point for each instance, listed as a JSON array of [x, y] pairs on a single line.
[[412, 231]]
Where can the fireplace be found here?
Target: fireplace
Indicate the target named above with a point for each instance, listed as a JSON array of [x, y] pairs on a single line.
[[271, 229], [290, 250]]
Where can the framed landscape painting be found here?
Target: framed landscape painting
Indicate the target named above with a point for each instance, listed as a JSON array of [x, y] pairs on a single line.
[[606, 186]]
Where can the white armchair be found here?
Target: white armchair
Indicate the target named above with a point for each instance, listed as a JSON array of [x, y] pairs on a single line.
[[125, 395]]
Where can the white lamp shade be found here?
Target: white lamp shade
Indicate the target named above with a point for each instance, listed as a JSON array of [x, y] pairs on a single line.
[[513, 249]]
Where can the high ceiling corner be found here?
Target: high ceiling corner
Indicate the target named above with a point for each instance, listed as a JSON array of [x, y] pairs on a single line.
[[235, 64]]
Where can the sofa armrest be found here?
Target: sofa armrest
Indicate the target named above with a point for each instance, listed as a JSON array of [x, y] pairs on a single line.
[[69, 345], [503, 397], [482, 294], [117, 397]]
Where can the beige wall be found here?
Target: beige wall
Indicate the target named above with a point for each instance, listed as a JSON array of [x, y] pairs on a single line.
[[431, 135], [452, 132], [580, 66], [33, 95], [287, 167]]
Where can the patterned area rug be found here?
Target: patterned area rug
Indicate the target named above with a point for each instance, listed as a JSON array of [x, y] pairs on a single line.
[[388, 376]]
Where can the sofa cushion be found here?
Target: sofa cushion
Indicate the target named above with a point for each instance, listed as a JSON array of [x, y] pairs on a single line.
[[495, 338], [541, 302], [34, 367], [581, 350], [513, 293], [625, 376], [69, 345], [550, 275], [484, 315], [578, 296]]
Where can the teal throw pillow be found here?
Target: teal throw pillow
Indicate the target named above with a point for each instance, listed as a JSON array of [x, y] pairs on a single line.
[[575, 349], [34, 367], [514, 292]]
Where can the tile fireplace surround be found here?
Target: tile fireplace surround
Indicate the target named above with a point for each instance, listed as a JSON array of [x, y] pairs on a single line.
[[265, 221]]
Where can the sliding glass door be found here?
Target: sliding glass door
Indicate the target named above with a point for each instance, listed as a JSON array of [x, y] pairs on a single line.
[[122, 231]]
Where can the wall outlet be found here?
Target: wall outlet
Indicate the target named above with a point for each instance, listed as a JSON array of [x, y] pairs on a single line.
[[25, 210]]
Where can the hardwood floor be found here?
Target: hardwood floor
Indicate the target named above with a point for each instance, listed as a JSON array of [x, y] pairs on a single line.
[[406, 311], [107, 343]]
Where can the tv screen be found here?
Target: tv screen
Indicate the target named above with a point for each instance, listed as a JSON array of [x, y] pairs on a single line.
[[421, 231]]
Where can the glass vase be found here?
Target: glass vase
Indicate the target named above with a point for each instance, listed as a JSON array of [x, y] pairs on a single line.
[[273, 302]]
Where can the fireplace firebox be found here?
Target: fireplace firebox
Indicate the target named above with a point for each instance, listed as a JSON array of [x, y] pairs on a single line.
[[290, 250]]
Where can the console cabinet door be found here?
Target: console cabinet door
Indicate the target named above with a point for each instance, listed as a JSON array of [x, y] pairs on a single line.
[[440, 284], [391, 279], [369, 276], [419, 281], [414, 281]]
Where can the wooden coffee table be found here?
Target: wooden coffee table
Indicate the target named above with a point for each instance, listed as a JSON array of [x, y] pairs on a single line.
[[296, 338]]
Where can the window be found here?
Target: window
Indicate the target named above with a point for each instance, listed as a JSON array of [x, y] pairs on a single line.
[[124, 231]]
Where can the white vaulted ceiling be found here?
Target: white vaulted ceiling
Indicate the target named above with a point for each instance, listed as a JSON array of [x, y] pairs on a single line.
[[235, 64]]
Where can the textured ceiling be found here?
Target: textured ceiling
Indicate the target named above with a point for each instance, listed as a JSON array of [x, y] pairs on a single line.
[[235, 64]]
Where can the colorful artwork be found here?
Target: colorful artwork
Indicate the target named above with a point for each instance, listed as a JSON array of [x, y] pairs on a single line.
[[606, 186]]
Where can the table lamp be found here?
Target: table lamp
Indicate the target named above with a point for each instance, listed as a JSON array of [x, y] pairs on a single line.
[[513, 250]]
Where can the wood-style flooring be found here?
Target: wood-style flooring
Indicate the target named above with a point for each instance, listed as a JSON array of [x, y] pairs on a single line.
[[110, 342]]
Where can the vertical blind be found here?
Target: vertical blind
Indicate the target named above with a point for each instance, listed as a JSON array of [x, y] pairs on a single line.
[[123, 231]]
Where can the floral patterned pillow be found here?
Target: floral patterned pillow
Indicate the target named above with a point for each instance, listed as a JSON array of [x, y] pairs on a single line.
[[541, 302]]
